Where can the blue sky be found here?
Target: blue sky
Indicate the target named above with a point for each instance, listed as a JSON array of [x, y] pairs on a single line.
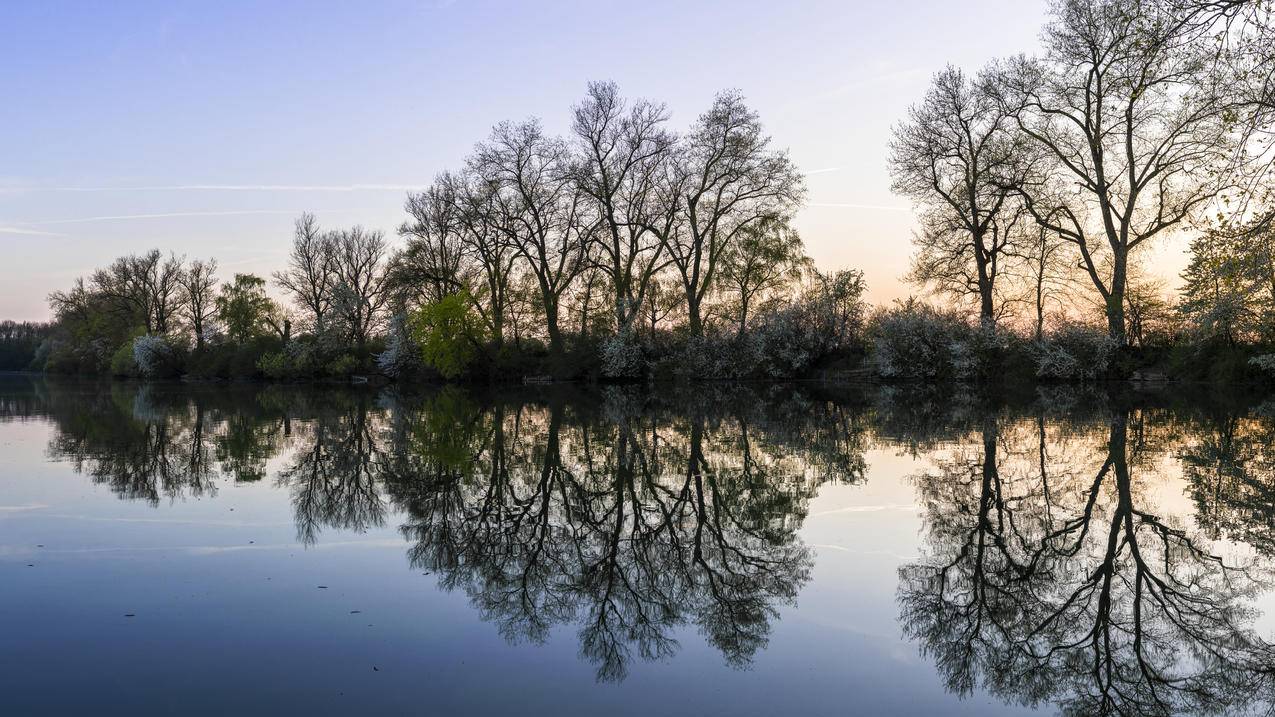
[[205, 128]]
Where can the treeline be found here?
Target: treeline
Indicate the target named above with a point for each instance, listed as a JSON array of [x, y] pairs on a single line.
[[20, 343], [628, 249], [1043, 181]]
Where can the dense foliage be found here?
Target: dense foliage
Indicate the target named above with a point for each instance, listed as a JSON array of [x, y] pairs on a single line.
[[20, 342]]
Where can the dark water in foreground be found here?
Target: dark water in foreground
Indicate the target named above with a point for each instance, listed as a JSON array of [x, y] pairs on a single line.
[[744, 551]]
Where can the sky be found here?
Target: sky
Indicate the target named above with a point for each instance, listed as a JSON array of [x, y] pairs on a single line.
[[204, 129]]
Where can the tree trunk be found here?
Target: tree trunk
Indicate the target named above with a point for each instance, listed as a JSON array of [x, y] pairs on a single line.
[[694, 322], [986, 311], [497, 327], [1115, 301], [551, 323]]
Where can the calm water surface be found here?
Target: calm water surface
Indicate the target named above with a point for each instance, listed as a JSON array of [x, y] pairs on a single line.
[[744, 551]]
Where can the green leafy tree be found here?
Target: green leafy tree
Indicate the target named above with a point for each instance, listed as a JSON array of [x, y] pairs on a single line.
[[449, 334], [1229, 285], [247, 312]]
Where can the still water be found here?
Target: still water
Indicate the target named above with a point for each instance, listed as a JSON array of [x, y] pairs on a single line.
[[748, 551]]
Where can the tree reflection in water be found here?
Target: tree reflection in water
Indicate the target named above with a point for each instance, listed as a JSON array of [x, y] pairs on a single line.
[[624, 516], [1056, 565], [623, 521], [1049, 575]]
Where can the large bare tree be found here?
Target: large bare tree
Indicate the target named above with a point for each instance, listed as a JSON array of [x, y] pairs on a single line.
[[361, 294], [542, 211], [141, 288], [457, 240], [727, 178], [311, 274], [958, 156], [434, 263], [198, 296], [621, 150], [1135, 125]]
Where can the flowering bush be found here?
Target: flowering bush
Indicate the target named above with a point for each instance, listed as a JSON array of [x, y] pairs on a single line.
[[718, 356], [912, 340], [622, 356], [401, 357], [1075, 351], [155, 357]]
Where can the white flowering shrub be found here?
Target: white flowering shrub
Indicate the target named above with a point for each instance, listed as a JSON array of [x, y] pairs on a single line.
[[1075, 352], [788, 345], [718, 356], [154, 357], [914, 341], [401, 357], [1265, 362], [622, 356]]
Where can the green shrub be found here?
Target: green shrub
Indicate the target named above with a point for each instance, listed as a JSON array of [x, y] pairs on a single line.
[[343, 366], [449, 334], [122, 362], [276, 365]]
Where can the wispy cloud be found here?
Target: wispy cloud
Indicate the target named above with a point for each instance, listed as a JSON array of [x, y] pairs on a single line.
[[879, 77], [28, 232], [227, 188], [825, 170], [167, 215], [22, 508], [848, 205]]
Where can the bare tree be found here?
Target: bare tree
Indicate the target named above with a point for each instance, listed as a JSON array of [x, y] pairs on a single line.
[[726, 179], [958, 156], [766, 256], [541, 210], [198, 296], [360, 294], [162, 281], [456, 240], [1134, 125], [481, 224], [434, 263], [310, 278], [621, 150], [141, 288]]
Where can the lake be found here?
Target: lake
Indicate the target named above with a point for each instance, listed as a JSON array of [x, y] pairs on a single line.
[[717, 549]]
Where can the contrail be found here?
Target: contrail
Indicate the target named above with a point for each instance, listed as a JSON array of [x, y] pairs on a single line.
[[165, 215], [28, 232], [230, 188], [845, 205]]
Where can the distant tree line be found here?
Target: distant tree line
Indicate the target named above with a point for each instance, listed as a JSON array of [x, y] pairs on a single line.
[[19, 343]]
